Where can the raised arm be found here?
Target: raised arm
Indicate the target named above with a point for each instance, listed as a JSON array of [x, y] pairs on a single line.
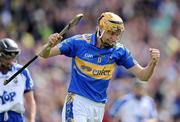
[[52, 49], [144, 73]]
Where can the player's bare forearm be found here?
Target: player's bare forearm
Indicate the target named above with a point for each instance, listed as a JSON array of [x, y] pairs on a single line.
[[144, 73], [30, 106], [147, 72], [51, 48]]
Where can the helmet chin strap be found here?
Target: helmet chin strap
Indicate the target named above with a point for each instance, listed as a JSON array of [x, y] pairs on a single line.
[[99, 35], [100, 32]]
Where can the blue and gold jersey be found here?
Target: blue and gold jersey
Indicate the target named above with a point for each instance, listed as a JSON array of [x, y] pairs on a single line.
[[93, 67]]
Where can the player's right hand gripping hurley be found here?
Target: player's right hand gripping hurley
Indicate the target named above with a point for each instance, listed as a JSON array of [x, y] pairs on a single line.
[[54, 39]]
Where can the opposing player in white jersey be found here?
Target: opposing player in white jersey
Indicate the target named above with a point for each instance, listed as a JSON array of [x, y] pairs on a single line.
[[134, 107], [13, 95], [94, 57]]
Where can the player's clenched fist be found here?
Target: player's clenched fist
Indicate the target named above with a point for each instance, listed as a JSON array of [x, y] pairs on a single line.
[[155, 54], [54, 39]]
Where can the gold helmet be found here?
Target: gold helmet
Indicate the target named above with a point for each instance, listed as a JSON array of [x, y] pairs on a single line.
[[109, 21]]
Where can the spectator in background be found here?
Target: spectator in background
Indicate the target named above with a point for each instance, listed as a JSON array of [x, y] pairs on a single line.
[[135, 106], [175, 110]]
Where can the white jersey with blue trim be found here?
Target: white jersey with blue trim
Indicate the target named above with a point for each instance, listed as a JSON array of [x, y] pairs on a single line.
[[131, 109], [92, 67], [12, 94]]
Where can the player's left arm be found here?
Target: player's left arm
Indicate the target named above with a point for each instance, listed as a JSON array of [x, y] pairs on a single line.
[[30, 106], [144, 73]]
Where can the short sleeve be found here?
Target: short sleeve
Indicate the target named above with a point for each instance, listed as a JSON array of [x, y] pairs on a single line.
[[68, 46], [123, 57], [28, 81]]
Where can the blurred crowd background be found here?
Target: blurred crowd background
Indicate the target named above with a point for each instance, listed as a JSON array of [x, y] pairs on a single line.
[[148, 23]]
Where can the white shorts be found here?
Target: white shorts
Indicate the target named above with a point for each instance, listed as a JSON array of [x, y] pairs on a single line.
[[80, 109]]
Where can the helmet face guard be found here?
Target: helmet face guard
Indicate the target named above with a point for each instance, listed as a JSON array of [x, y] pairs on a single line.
[[9, 55], [8, 48], [110, 22], [8, 51]]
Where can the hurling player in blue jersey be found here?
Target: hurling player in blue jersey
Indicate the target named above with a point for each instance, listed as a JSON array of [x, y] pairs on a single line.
[[94, 57], [13, 95]]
